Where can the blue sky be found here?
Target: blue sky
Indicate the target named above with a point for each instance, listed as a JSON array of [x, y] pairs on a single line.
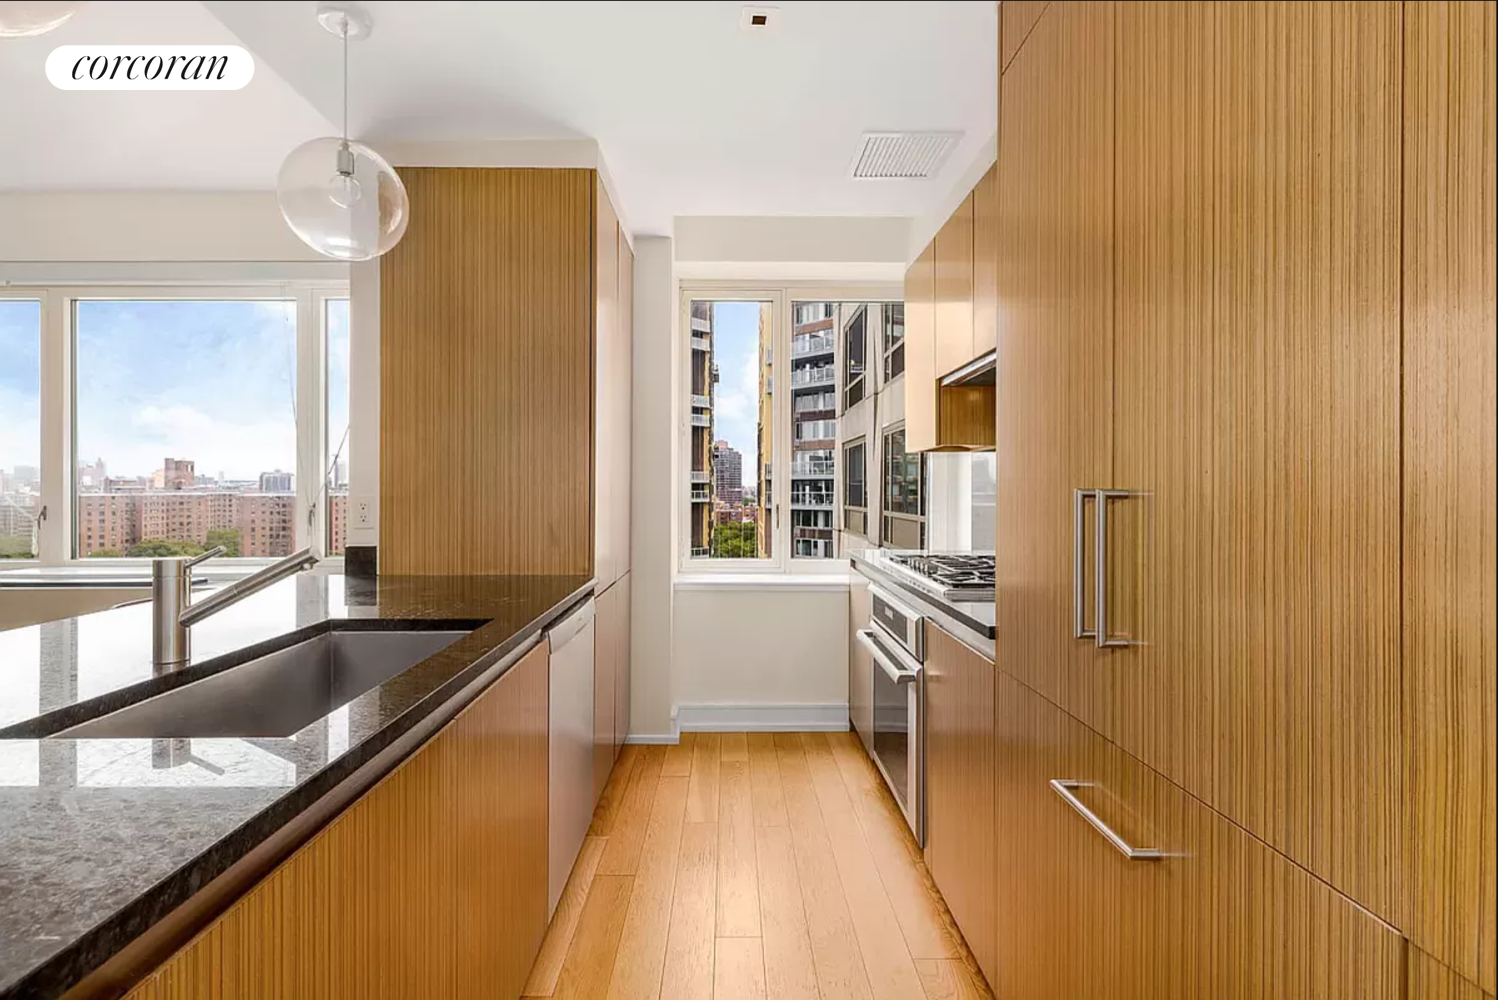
[[210, 381], [736, 351]]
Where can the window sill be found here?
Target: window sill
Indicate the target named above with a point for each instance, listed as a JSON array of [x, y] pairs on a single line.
[[804, 582]]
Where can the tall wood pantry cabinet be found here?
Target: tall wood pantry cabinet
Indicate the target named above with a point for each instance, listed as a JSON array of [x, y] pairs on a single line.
[[1245, 516]]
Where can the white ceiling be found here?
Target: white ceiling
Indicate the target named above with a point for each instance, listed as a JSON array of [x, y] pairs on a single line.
[[693, 115], [54, 139]]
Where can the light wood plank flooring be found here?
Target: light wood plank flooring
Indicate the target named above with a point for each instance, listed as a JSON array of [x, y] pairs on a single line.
[[753, 866]]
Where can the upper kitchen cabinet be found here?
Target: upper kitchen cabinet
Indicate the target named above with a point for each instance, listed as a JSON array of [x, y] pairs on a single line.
[[1054, 348], [1449, 568], [944, 314], [504, 377], [953, 245]]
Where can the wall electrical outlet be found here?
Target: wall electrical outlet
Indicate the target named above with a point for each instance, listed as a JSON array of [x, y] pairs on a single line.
[[363, 513]]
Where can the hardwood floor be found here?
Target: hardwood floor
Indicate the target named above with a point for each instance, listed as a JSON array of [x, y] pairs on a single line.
[[752, 866]]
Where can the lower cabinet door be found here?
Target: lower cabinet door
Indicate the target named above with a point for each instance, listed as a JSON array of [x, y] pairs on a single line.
[[433, 884], [621, 666], [605, 680], [1115, 883], [960, 787]]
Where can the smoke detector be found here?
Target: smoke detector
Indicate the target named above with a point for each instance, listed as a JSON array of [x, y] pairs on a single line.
[[905, 156], [759, 18]]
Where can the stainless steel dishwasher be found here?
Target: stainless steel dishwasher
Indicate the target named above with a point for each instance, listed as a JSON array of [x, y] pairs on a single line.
[[570, 792]]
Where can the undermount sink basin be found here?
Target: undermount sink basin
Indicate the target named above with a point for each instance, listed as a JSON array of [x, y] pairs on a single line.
[[277, 694]]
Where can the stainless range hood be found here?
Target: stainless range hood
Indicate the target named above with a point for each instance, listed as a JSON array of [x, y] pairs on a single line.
[[979, 371]]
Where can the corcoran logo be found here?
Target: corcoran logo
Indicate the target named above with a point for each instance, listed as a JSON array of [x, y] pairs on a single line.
[[149, 67]]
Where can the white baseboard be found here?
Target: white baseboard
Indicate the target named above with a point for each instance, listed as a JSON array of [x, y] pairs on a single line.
[[740, 718], [735, 718]]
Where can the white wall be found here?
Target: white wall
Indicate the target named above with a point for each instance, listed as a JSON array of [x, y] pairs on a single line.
[[653, 527], [769, 658], [92, 226]]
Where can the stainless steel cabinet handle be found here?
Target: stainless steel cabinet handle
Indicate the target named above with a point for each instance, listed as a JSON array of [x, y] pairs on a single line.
[[1104, 639], [890, 667], [1064, 788], [1079, 564]]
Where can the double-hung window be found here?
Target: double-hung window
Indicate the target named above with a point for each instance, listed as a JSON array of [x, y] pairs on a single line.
[[904, 494], [175, 419], [775, 381]]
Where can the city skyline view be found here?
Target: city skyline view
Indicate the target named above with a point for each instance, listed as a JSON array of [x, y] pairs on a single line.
[[157, 381], [736, 350]]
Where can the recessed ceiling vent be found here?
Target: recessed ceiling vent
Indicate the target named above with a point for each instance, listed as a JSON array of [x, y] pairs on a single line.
[[902, 156]]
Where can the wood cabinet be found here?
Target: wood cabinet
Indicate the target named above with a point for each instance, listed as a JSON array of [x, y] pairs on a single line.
[[432, 884], [607, 348], [606, 624], [960, 842], [985, 198], [1055, 346], [953, 257], [1217, 914], [1449, 565], [486, 314], [920, 352], [622, 660], [1016, 19]]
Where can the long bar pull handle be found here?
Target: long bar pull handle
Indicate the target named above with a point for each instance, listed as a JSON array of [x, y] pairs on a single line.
[[1104, 639], [1064, 788], [1079, 564]]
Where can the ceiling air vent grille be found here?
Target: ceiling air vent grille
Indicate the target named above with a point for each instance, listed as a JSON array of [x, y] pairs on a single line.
[[903, 155]]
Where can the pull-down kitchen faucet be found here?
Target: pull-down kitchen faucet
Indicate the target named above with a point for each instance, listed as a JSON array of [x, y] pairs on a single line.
[[173, 613]]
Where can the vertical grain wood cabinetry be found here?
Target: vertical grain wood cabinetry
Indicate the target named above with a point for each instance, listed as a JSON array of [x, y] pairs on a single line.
[[622, 433], [985, 198], [1054, 345], [433, 884], [953, 245], [1305, 424], [606, 355], [960, 841], [920, 352], [1449, 562], [1016, 18], [486, 313], [1220, 915]]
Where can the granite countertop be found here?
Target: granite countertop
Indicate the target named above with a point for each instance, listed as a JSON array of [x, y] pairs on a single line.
[[99, 839]]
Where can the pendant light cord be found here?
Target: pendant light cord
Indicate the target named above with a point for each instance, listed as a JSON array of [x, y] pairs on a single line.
[[345, 78]]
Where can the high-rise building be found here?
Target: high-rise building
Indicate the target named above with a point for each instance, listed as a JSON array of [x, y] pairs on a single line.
[[91, 476], [275, 482], [114, 520], [814, 328], [765, 455], [175, 474], [728, 472], [704, 375]]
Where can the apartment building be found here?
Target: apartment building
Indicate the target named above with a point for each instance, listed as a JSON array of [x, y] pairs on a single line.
[[814, 397], [704, 376]]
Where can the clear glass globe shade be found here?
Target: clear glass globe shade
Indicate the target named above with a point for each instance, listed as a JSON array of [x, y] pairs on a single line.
[[20, 18], [357, 217]]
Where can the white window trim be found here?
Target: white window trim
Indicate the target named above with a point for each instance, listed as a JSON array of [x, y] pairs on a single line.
[[782, 295], [59, 462]]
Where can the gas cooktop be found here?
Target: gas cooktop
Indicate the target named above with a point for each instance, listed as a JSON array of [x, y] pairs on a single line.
[[955, 576]]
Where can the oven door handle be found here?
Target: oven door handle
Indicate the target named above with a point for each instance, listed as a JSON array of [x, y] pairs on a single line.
[[882, 657]]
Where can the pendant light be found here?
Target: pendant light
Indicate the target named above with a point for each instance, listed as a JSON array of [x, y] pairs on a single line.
[[339, 196], [23, 18]]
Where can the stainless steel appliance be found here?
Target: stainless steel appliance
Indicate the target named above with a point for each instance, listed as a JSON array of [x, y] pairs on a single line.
[[895, 641], [961, 577], [570, 771]]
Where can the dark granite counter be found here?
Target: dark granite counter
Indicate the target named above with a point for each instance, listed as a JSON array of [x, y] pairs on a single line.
[[100, 839]]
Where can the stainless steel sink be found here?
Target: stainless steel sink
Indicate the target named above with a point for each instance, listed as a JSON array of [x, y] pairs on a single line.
[[277, 694]]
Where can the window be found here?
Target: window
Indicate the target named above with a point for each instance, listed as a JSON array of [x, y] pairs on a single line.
[[904, 494], [185, 427], [335, 325], [893, 315], [853, 357], [731, 430], [734, 419], [855, 492], [177, 417], [20, 427]]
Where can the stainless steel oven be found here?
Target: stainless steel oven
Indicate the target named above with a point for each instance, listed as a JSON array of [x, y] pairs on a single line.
[[895, 640]]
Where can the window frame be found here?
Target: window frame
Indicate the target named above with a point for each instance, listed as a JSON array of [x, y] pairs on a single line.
[[923, 484], [783, 296], [57, 537], [887, 350], [20, 293]]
